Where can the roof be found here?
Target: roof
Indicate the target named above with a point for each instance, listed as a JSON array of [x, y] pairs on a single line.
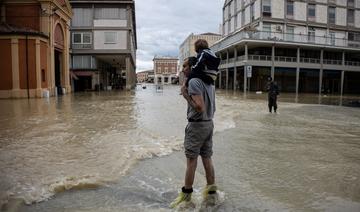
[[210, 33], [6, 29], [165, 58]]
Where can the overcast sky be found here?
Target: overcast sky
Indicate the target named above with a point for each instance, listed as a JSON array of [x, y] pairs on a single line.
[[162, 25]]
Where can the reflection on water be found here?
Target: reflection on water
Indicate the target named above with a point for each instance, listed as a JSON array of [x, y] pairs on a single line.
[[307, 156]]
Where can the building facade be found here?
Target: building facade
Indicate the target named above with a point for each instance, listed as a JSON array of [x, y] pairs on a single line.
[[103, 44], [145, 76], [34, 48], [187, 48], [307, 46], [165, 69]]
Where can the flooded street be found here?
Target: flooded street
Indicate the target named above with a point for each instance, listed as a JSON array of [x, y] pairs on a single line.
[[123, 152]]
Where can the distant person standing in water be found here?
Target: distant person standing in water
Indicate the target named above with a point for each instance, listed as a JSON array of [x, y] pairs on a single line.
[[200, 97], [273, 92]]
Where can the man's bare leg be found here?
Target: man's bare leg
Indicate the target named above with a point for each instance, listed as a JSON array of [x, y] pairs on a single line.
[[191, 164], [209, 170]]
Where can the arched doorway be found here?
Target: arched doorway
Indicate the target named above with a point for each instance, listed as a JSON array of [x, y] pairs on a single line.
[[58, 59]]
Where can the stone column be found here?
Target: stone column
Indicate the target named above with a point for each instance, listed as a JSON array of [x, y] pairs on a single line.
[[128, 73], [227, 71], [235, 59], [15, 67], [273, 62], [297, 71], [342, 74], [66, 56], [245, 61], [321, 70], [220, 79], [38, 68]]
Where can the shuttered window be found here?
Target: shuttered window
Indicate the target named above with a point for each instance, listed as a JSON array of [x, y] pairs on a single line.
[[110, 13], [82, 17]]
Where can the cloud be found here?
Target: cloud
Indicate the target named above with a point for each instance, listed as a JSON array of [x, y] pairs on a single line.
[[162, 25]]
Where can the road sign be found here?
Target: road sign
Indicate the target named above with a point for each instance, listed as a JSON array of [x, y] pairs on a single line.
[[248, 71]]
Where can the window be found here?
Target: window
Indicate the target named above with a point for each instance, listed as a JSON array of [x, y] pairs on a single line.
[[331, 15], [81, 62], [352, 36], [242, 18], [82, 38], [350, 3], [350, 17], [311, 35], [290, 33], [311, 12], [266, 7], [110, 13], [290, 8], [110, 37], [267, 30], [77, 38], [332, 38], [82, 17], [252, 12]]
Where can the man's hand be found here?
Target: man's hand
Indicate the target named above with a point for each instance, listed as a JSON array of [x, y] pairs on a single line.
[[184, 90], [195, 101]]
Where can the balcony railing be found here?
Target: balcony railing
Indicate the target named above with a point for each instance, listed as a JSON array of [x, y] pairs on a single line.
[[81, 46], [333, 62], [285, 59], [352, 63], [282, 37], [259, 57], [290, 60]]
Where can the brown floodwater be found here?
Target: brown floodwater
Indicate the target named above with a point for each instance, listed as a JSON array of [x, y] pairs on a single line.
[[101, 146]]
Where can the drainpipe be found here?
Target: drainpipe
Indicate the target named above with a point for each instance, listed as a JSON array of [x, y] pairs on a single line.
[[27, 68]]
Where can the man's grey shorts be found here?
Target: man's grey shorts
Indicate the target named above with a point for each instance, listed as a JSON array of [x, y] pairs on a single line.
[[198, 139]]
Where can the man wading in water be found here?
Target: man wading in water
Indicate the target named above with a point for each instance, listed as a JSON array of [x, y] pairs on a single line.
[[198, 135]]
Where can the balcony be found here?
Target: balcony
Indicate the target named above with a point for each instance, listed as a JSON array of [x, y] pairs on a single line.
[[280, 37], [81, 46], [288, 60]]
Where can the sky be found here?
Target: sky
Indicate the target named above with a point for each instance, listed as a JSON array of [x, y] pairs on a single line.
[[162, 25]]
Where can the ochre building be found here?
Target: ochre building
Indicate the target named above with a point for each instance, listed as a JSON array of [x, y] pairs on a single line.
[[34, 48]]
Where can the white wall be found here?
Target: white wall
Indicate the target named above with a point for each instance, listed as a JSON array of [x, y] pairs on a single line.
[[321, 14], [320, 36], [357, 3], [341, 2], [257, 9], [247, 15], [226, 12], [300, 30], [226, 26], [277, 8], [340, 35], [300, 11], [238, 21], [238, 5], [232, 7], [357, 18], [99, 40], [110, 23], [232, 24], [340, 16], [322, 1]]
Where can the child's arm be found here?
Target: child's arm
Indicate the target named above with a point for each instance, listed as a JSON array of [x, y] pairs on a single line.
[[200, 64]]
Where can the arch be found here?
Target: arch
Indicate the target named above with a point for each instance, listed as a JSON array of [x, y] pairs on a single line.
[[59, 35]]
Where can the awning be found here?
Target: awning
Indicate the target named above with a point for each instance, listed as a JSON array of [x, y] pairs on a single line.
[[73, 76], [83, 73]]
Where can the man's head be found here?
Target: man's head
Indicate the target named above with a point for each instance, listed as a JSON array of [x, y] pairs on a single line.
[[269, 79], [188, 62], [201, 44]]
